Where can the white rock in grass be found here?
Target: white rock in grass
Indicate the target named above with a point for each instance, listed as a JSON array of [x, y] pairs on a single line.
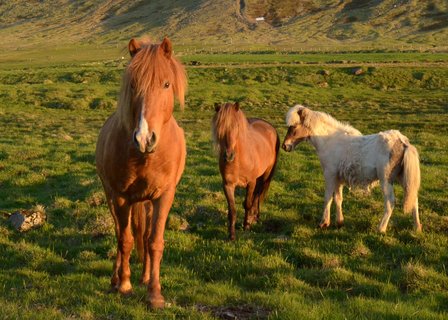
[[25, 220]]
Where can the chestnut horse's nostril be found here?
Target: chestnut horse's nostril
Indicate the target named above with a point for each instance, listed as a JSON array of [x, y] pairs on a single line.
[[134, 137], [151, 142], [229, 156], [152, 139]]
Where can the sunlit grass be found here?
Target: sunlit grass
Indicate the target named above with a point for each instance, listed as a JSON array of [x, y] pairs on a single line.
[[50, 118]]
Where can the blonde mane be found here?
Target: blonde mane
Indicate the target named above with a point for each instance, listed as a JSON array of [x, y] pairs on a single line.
[[318, 122], [147, 71], [227, 119]]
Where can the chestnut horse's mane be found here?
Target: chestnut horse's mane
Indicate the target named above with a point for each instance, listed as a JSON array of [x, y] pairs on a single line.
[[228, 118], [147, 70]]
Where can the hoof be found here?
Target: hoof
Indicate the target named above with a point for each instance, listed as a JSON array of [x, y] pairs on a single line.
[[126, 293], [125, 289], [418, 228], [340, 224], [156, 302], [324, 225]]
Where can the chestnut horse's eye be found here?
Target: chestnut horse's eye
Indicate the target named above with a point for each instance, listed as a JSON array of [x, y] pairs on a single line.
[[166, 85]]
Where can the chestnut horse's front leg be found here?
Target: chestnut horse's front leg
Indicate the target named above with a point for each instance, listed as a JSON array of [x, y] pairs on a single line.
[[115, 279], [146, 258], [125, 244], [161, 207], [229, 191]]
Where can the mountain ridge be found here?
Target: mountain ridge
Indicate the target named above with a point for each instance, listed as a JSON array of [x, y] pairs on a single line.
[[229, 24]]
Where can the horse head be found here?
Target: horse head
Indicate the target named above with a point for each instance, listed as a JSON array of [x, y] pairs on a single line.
[[153, 78], [227, 125], [297, 131]]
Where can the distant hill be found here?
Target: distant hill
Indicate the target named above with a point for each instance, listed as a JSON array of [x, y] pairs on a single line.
[[228, 25]]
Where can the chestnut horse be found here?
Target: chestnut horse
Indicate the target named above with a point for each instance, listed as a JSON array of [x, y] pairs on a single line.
[[348, 157], [140, 157], [248, 150]]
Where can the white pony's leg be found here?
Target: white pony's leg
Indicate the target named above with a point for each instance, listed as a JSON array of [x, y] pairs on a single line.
[[417, 224], [338, 200], [389, 203], [329, 190]]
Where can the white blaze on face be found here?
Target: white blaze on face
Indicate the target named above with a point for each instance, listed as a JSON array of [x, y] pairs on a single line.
[[142, 133]]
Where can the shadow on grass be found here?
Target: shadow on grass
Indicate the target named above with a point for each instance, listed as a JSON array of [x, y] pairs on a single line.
[[69, 185]]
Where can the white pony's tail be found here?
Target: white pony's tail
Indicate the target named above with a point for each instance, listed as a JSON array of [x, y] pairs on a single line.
[[411, 177]]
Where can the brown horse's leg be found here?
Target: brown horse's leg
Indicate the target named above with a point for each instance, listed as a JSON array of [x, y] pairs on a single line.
[[162, 207], [261, 189], [125, 244], [248, 205], [146, 259], [229, 191]]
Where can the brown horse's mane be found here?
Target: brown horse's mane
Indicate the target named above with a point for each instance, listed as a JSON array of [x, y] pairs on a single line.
[[228, 118], [147, 70]]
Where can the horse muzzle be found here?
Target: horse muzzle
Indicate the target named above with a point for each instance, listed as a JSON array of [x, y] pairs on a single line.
[[287, 147], [145, 143]]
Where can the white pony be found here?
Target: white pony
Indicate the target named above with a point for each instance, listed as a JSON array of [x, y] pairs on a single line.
[[348, 157]]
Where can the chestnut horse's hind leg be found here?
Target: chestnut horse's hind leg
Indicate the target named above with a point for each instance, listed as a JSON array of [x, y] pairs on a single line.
[[161, 209], [115, 280], [249, 205], [229, 191]]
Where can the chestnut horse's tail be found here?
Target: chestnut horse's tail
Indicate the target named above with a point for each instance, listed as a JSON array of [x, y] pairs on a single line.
[[139, 214], [264, 186]]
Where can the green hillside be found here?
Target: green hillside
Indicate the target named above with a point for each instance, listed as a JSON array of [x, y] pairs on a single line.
[[315, 25]]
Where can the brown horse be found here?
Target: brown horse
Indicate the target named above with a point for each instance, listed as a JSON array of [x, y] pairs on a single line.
[[248, 150], [140, 157]]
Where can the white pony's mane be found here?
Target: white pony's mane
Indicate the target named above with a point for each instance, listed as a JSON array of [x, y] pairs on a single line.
[[317, 122]]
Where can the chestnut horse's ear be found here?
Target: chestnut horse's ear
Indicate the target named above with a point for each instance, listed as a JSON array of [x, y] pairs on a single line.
[[217, 106], [237, 106], [134, 46], [166, 47]]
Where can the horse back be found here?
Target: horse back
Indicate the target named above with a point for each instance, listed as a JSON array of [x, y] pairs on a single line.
[[262, 129]]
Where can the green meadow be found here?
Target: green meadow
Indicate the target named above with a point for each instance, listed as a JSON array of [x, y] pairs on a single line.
[[51, 111]]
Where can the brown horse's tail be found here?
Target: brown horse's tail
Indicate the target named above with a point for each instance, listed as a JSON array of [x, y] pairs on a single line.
[[264, 186], [139, 219], [411, 177]]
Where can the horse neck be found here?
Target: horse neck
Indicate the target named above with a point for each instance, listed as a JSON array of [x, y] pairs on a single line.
[[324, 136], [243, 131]]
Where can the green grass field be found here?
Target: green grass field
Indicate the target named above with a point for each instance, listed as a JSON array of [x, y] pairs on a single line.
[[285, 268]]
